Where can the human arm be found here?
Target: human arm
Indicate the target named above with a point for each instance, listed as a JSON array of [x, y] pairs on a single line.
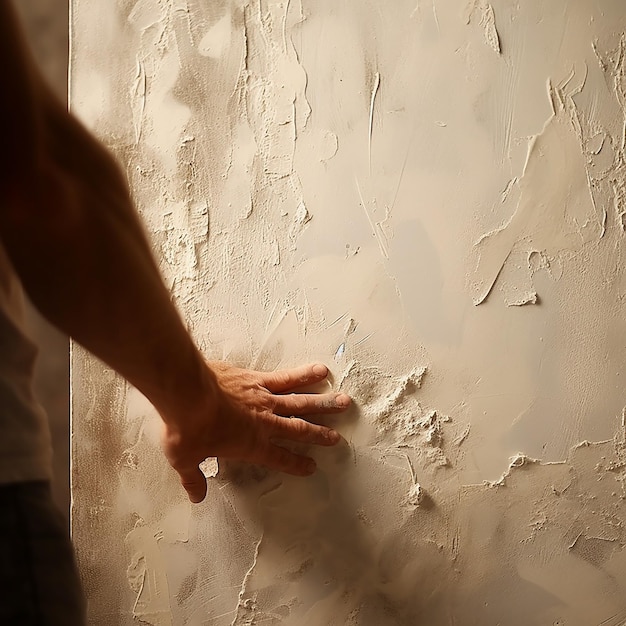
[[68, 225]]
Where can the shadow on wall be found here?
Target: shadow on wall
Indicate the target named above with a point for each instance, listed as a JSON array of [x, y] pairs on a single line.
[[46, 25]]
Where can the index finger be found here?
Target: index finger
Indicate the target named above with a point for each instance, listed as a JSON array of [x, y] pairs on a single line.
[[310, 403], [281, 381]]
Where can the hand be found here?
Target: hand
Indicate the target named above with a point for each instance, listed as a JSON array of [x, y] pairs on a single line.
[[247, 413]]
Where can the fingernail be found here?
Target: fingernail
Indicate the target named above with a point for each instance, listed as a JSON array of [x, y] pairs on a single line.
[[333, 436], [343, 400], [320, 370], [310, 467]]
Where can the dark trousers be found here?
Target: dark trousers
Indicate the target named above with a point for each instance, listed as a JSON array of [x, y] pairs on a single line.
[[39, 583]]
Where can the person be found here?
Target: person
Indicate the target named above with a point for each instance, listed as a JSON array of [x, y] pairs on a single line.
[[69, 235]]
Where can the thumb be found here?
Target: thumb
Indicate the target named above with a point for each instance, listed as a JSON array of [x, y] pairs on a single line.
[[194, 482]]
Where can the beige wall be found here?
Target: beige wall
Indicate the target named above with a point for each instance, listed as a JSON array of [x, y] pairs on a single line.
[[429, 196]]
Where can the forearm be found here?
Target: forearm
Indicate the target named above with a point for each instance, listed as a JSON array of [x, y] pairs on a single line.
[[69, 226], [74, 239]]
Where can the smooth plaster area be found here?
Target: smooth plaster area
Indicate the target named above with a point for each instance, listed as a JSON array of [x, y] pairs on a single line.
[[430, 197]]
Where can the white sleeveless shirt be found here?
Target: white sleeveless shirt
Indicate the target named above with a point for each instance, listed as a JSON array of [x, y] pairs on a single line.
[[25, 448]]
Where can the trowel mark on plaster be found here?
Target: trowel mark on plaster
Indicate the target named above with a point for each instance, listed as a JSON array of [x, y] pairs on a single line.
[[287, 319], [504, 196], [594, 550], [616, 466], [516, 278], [282, 103], [245, 612], [416, 493], [350, 328], [617, 64], [328, 145], [613, 65], [346, 374], [147, 578], [217, 39], [462, 436], [515, 462], [528, 297], [587, 461], [152, 101], [138, 99], [268, 111], [487, 21], [406, 385], [619, 465], [272, 96], [399, 420], [618, 619], [371, 119], [376, 227], [555, 210], [433, 10]]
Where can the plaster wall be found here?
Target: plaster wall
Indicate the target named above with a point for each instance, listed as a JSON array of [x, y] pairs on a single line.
[[428, 196]]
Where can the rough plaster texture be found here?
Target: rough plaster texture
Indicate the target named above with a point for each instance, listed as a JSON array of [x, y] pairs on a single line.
[[428, 196]]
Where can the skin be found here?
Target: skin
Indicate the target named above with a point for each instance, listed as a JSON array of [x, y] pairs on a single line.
[[70, 229]]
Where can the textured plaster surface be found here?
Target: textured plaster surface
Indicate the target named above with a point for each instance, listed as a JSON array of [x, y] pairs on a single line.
[[428, 196]]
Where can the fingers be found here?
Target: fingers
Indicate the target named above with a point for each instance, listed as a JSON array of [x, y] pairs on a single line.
[[282, 381], [296, 429], [194, 482], [310, 403], [278, 458]]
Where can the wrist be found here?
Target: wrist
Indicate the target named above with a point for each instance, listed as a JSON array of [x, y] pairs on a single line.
[[189, 391]]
